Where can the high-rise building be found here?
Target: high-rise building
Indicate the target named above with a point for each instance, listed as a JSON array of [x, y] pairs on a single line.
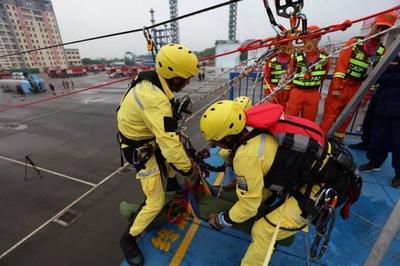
[[27, 25]]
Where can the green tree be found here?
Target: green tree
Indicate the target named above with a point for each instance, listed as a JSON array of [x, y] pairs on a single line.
[[206, 52], [87, 61]]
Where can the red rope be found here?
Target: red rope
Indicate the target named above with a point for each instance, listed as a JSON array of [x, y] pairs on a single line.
[[273, 41], [63, 95]]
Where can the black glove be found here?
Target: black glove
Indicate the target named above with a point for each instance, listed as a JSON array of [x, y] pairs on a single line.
[[132, 253]]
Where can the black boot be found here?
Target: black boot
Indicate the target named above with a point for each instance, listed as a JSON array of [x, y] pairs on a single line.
[[361, 146], [132, 253]]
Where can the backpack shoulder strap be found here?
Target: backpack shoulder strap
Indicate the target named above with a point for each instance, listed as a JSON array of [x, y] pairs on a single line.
[[249, 135]]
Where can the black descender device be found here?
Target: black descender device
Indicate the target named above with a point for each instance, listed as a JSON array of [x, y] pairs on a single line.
[[290, 9]]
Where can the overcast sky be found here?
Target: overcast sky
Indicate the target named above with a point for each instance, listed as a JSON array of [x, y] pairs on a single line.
[[78, 19]]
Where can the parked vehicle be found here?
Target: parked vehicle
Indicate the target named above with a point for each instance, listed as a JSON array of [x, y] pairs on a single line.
[[5, 74], [67, 72], [12, 85], [32, 84]]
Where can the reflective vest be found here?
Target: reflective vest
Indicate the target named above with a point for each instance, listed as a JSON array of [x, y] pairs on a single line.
[[277, 70], [360, 60], [313, 79]]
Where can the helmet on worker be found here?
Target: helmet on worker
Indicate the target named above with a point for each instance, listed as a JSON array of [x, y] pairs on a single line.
[[313, 28], [383, 22], [244, 101], [176, 64], [387, 19], [222, 119], [311, 43], [176, 60]]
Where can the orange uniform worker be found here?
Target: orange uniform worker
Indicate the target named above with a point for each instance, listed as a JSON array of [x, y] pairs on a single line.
[[351, 70], [273, 71], [304, 95]]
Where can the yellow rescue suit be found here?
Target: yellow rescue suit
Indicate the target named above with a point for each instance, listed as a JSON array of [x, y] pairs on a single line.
[[146, 113], [251, 163]]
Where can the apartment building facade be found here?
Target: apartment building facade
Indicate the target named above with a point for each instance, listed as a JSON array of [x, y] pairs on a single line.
[[73, 57], [27, 25]]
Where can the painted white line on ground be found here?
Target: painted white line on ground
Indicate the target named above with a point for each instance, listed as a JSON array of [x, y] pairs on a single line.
[[59, 213], [50, 171]]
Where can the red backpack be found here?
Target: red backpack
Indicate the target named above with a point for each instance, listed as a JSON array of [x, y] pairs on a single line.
[[270, 117]]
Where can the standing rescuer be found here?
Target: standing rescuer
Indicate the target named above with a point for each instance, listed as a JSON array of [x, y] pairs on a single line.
[[351, 70], [273, 72], [148, 136], [304, 95]]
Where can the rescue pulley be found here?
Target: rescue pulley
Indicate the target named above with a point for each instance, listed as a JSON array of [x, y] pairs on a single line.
[[150, 43]]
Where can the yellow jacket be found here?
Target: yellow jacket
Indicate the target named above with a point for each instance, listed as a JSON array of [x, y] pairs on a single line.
[[251, 163], [145, 113]]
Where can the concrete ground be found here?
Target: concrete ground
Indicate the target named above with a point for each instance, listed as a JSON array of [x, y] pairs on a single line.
[[72, 140]]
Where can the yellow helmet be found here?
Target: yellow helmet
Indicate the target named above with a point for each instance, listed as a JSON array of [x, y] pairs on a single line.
[[175, 60], [221, 119], [244, 102]]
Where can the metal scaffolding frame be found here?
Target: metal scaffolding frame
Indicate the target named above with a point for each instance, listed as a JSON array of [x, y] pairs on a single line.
[[232, 21], [173, 11]]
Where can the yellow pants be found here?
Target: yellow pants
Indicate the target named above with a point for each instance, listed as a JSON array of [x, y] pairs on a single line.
[[263, 231], [152, 186]]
